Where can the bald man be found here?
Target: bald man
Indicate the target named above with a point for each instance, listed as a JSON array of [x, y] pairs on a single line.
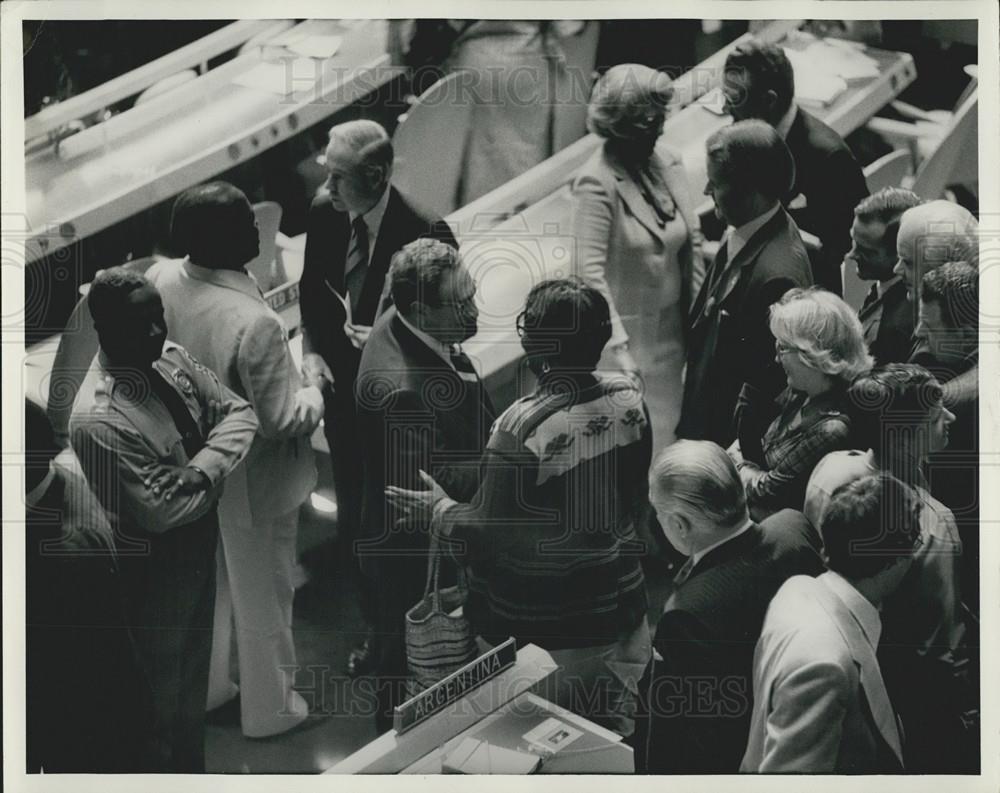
[[356, 224], [931, 235]]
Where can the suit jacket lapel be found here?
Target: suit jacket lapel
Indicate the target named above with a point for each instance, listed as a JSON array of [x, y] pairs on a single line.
[[722, 284], [632, 196], [868, 669], [739, 546], [340, 235], [394, 224]]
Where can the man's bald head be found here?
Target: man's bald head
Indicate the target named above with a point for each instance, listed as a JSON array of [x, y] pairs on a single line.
[[931, 235]]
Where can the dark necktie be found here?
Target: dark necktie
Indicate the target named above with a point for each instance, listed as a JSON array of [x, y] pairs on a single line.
[[463, 365], [357, 261], [870, 300], [191, 436]]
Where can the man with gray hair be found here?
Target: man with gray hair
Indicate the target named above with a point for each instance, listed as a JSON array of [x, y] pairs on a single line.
[[421, 407], [356, 223], [931, 235], [697, 694]]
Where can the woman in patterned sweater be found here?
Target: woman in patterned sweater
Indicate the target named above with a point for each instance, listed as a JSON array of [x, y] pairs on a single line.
[[549, 541]]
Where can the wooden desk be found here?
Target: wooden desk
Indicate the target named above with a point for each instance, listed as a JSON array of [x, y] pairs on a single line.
[[155, 150]]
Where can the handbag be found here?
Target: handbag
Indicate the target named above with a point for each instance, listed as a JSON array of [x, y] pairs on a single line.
[[438, 642]]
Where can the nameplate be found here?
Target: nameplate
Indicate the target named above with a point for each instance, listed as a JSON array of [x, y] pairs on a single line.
[[283, 295], [454, 687]]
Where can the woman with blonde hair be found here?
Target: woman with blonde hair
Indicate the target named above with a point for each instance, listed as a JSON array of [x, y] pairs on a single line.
[[820, 344], [637, 236]]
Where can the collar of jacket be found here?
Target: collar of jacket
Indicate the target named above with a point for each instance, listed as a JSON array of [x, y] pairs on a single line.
[[238, 280], [664, 163], [734, 547], [747, 254], [414, 345]]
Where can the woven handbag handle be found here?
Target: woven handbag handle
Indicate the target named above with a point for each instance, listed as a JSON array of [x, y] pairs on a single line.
[[434, 572]]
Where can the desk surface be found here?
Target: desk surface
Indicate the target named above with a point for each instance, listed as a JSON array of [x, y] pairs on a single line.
[[596, 751], [155, 150]]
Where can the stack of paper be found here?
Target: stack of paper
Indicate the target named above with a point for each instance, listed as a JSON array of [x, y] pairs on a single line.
[[287, 76]]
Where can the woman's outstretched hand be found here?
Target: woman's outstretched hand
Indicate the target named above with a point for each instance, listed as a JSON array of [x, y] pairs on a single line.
[[416, 503]]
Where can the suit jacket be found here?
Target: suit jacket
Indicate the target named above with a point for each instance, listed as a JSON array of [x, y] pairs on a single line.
[[708, 631], [221, 318], [621, 248], [831, 182], [730, 343], [415, 412], [820, 705], [327, 240], [888, 325]]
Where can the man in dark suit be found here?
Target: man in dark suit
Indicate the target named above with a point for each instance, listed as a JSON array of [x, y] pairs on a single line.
[[886, 315], [730, 346], [759, 83], [421, 407], [355, 226], [696, 696]]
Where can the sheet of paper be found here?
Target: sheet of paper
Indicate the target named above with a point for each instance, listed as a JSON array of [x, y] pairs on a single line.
[[714, 101], [283, 77], [552, 735], [316, 46]]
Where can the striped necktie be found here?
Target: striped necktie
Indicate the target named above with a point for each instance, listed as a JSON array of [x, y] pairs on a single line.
[[463, 365], [357, 261]]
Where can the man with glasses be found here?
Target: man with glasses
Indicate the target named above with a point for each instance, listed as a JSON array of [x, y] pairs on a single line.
[[420, 407], [356, 223]]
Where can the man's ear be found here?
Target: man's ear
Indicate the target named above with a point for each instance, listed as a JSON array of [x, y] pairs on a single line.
[[771, 103]]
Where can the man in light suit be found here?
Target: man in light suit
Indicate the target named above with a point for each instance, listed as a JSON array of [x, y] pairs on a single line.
[[421, 406], [730, 346], [698, 692], [886, 315], [355, 226], [156, 434], [215, 309], [820, 704], [759, 83]]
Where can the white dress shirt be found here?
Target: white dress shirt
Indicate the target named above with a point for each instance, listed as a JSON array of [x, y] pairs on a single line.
[[739, 236]]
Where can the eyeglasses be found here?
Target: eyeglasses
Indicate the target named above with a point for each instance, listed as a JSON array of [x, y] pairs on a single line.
[[780, 348], [519, 324]]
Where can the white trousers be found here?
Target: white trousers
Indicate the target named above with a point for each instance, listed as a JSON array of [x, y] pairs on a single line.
[[255, 588]]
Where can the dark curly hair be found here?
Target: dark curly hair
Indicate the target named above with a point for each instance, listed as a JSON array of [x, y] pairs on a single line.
[[565, 322]]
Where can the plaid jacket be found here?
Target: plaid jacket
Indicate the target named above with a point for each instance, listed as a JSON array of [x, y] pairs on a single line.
[[793, 445]]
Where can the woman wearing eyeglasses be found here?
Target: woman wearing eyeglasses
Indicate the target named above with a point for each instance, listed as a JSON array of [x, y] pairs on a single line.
[[820, 344], [549, 540], [637, 236]]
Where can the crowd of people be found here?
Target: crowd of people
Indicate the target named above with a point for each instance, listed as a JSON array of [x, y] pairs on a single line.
[[807, 471]]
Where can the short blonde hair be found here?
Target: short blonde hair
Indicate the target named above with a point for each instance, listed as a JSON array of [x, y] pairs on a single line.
[[824, 330], [626, 99]]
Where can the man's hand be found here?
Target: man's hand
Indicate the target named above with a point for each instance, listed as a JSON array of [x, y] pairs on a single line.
[[169, 480], [214, 413], [316, 372], [358, 334], [624, 360]]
